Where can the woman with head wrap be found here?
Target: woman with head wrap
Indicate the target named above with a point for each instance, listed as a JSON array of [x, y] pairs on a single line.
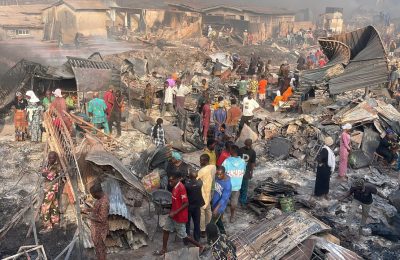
[[345, 148], [35, 116], [326, 166], [20, 120], [60, 105]]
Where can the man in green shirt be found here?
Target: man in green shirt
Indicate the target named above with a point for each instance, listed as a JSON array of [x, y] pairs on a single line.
[[242, 86], [48, 99], [97, 112]]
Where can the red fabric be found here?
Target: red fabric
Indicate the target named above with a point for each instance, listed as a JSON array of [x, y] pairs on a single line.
[[225, 154], [179, 197], [262, 86], [322, 63], [109, 98]]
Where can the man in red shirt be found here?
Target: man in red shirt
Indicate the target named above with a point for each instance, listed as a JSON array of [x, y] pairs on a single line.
[[225, 153], [178, 216]]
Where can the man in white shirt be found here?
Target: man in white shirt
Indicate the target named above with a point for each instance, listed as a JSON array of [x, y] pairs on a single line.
[[250, 105], [169, 92], [181, 92]]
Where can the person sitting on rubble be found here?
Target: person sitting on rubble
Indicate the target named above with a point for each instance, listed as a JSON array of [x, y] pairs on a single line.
[[249, 107], [193, 188], [98, 216], [217, 69], [178, 216], [220, 198], [222, 248], [242, 87], [388, 147], [362, 194], [232, 120], [97, 111], [49, 208], [157, 133], [325, 167]]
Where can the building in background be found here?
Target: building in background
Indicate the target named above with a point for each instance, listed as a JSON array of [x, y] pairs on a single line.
[[332, 20], [21, 22]]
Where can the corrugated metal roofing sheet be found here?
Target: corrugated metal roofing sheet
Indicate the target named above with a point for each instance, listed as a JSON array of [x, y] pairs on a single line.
[[334, 251], [272, 239]]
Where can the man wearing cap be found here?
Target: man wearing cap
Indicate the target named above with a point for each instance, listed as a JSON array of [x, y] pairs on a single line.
[[344, 151], [362, 194], [176, 166], [97, 111]]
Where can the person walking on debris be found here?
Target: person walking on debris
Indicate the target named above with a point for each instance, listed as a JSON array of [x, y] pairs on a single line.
[[47, 100], [242, 87], [116, 113], [362, 193], [178, 217], [157, 133], [206, 118], [345, 149], [232, 119], [148, 96], [262, 90], [249, 156], [219, 119], [210, 151], [169, 92], [221, 247], [60, 106], [249, 107], [97, 111], [206, 174], [222, 192], [235, 168], [326, 166], [194, 191], [98, 216], [49, 209], [20, 122], [35, 116]]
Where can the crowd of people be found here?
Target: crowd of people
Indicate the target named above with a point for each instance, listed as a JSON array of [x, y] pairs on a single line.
[[202, 196]]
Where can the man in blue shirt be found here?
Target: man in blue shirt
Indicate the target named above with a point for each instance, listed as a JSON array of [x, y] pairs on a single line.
[[235, 168], [221, 196]]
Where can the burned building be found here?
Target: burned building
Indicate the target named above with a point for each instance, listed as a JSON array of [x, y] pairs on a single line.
[[332, 20], [64, 19]]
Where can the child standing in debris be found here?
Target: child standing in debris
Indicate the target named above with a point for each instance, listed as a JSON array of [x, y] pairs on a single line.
[[99, 220], [345, 148], [178, 217]]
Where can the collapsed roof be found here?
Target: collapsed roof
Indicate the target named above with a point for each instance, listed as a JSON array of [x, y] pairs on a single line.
[[356, 60]]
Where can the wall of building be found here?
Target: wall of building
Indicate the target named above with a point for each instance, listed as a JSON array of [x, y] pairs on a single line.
[[92, 23], [29, 33]]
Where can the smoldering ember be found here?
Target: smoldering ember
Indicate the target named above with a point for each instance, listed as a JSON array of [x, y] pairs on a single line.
[[209, 129]]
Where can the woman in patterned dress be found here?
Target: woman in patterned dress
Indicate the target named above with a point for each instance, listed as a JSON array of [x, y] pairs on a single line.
[[35, 116]]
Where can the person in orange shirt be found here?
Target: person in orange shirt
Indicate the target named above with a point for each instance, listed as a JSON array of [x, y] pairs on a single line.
[[287, 94], [262, 88]]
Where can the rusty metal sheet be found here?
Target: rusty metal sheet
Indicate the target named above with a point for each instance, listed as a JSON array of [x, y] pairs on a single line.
[[302, 251], [363, 112], [99, 156], [273, 239], [92, 79], [334, 251]]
